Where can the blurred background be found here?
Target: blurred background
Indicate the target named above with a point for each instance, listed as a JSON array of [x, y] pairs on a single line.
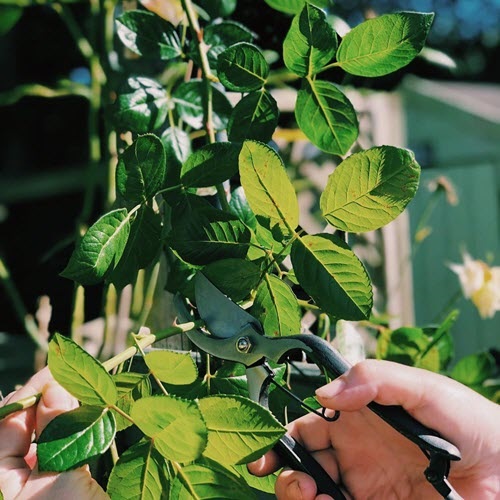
[[445, 106]]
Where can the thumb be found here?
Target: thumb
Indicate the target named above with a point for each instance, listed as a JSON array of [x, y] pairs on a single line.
[[54, 401]]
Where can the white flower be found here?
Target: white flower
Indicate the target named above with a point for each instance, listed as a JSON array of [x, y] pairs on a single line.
[[471, 274], [349, 342], [480, 283]]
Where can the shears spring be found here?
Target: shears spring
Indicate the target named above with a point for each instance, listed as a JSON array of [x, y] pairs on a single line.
[[320, 413]]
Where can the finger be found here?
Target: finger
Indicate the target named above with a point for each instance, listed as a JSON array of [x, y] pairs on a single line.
[[301, 431], [16, 430], [431, 398], [54, 401]]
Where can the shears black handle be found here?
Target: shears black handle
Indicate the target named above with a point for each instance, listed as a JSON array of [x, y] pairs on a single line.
[[298, 458], [323, 354]]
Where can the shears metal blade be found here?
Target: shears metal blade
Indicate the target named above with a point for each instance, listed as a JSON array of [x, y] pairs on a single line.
[[235, 335]]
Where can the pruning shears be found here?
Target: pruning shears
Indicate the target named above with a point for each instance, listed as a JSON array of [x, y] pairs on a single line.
[[235, 335]]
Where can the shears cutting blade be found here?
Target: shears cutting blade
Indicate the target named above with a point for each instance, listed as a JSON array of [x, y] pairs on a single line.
[[235, 335]]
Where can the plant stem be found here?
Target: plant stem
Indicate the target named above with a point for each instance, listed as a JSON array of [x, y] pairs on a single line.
[[19, 307], [111, 363], [148, 340], [208, 78], [20, 404]]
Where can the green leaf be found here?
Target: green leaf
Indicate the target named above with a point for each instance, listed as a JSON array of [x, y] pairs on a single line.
[[422, 347], [326, 116], [141, 168], [230, 378], [177, 146], [202, 234], [242, 68], [276, 307], [100, 249], [141, 105], [265, 483], [474, 369], [385, 44], [369, 189], [74, 438], [220, 35], [310, 43], [180, 275], [142, 247], [295, 6], [217, 8], [175, 425], [9, 15], [172, 367], [254, 117], [211, 164], [267, 186], [188, 99], [239, 206], [236, 278], [148, 35], [131, 387], [79, 373], [287, 6], [208, 481], [141, 473], [333, 276], [239, 430]]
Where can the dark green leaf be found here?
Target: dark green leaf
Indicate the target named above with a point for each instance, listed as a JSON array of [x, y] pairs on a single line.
[[202, 234], [180, 275], [371, 188], [267, 186], [172, 367], [474, 369], [384, 44], [326, 116], [239, 206], [100, 249], [221, 35], [9, 15], [141, 473], [74, 438], [217, 8], [211, 165], [276, 307], [175, 425], [177, 150], [142, 247], [254, 117], [416, 347], [236, 278], [333, 276], [310, 43], [208, 481], [239, 430], [141, 168], [79, 373], [141, 106], [148, 35], [188, 98], [242, 68], [131, 387]]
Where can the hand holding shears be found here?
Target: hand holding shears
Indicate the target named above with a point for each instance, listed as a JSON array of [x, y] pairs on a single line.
[[237, 336]]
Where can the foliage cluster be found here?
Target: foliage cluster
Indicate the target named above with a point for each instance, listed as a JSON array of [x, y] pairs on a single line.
[[200, 182]]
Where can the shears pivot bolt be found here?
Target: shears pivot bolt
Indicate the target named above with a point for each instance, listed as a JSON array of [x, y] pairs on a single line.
[[243, 344]]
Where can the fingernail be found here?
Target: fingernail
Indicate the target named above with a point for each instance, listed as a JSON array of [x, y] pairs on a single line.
[[332, 389]]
